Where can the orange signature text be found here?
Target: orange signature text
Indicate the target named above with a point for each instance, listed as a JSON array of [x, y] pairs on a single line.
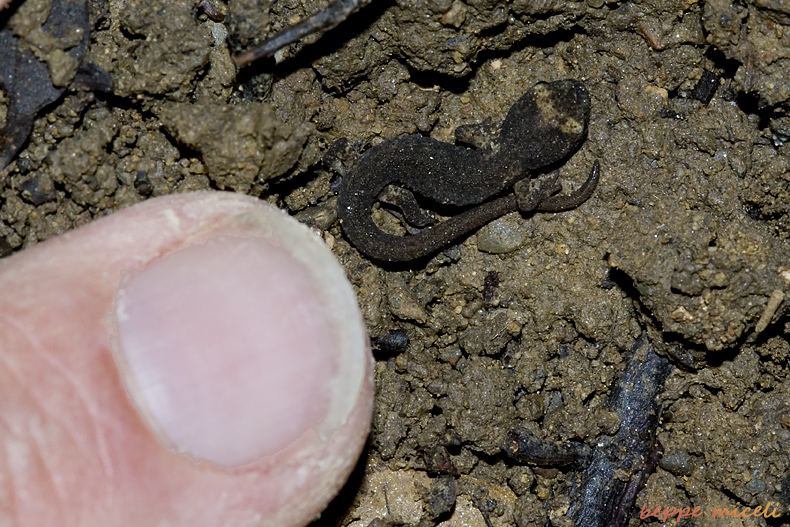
[[666, 513]]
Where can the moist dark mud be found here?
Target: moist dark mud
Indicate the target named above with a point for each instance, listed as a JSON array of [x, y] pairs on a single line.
[[685, 238]]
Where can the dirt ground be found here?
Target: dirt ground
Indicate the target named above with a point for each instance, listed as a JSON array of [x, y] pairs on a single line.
[[528, 322]]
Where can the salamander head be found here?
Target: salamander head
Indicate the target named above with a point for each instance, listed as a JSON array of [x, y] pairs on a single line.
[[547, 124]]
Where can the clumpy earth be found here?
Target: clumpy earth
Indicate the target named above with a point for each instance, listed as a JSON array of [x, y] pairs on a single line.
[[528, 322]]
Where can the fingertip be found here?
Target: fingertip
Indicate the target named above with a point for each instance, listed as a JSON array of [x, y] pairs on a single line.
[[241, 368]]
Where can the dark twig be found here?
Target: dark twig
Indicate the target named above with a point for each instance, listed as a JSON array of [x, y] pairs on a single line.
[[326, 19], [601, 498]]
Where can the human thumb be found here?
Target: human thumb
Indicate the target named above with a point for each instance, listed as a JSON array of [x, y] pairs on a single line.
[[194, 360]]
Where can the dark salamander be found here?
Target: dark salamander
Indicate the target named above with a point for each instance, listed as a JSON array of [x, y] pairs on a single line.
[[542, 128]]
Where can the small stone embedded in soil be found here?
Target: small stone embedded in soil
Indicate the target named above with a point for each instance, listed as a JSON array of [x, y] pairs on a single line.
[[393, 342], [38, 190], [755, 486], [142, 183], [706, 87], [321, 216], [679, 462], [500, 236], [437, 460], [213, 9], [442, 497]]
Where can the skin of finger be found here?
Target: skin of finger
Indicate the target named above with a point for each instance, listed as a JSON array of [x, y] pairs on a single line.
[[74, 449], [4, 4]]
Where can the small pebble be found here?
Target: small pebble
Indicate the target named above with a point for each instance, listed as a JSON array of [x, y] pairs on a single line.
[[443, 493], [678, 462], [755, 486], [500, 236], [706, 87], [393, 342]]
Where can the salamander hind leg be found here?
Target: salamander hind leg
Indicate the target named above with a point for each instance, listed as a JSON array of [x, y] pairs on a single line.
[[556, 203]]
